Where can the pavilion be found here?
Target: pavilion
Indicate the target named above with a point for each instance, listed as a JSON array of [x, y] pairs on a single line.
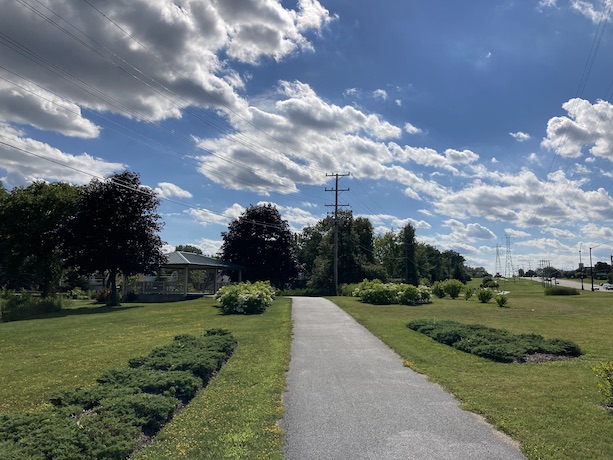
[[177, 275]]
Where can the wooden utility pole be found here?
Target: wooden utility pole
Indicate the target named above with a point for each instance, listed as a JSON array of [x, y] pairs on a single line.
[[336, 205]]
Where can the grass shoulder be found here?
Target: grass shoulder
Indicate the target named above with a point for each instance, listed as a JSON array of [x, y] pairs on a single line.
[[236, 416], [553, 409]]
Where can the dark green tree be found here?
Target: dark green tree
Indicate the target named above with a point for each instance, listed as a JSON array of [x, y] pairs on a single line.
[[261, 240], [188, 248], [429, 262], [307, 247], [115, 230], [388, 253], [453, 263], [356, 259], [31, 222], [407, 239]]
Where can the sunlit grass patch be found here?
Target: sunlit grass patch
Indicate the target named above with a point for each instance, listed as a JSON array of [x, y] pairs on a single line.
[[243, 402]]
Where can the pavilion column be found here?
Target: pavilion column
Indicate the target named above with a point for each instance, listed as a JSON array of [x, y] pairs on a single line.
[[185, 278], [215, 283]]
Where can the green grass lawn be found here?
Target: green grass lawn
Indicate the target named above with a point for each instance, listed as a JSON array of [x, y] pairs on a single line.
[[553, 409], [236, 416]]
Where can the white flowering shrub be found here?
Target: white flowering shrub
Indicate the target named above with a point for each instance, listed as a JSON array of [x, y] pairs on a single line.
[[246, 298], [424, 293], [378, 293]]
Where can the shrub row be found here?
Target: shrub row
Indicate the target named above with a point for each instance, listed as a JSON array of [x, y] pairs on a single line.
[[15, 306], [246, 298], [495, 344], [561, 290], [108, 420], [378, 293]]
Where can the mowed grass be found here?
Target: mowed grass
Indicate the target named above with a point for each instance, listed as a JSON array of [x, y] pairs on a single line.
[[236, 416], [552, 409]]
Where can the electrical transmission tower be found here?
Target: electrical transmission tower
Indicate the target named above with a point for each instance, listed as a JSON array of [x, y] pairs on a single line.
[[509, 271], [498, 266], [336, 205]]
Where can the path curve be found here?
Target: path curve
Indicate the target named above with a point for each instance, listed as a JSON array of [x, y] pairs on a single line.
[[349, 397]]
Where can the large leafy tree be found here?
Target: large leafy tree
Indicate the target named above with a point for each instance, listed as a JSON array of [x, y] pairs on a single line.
[[115, 230], [388, 253], [261, 240], [31, 222], [356, 259]]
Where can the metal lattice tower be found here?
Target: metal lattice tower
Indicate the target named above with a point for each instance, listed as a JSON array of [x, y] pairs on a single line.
[[509, 271], [498, 266]]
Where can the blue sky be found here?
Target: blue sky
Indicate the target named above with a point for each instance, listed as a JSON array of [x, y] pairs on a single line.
[[473, 121]]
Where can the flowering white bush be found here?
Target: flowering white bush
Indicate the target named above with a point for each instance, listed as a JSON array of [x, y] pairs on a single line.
[[378, 293], [246, 298]]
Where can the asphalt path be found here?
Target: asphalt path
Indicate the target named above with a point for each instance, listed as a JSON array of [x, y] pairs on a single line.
[[350, 397]]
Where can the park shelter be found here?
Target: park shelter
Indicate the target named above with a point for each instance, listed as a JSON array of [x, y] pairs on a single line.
[[175, 279]]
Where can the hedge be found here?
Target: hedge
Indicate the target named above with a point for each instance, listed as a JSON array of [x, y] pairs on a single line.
[[110, 419], [494, 344]]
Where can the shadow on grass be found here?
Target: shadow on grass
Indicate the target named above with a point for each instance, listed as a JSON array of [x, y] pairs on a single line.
[[93, 310], [77, 311]]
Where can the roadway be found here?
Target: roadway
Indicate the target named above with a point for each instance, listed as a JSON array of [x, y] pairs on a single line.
[[587, 283]]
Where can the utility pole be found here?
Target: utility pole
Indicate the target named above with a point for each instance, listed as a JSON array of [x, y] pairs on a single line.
[[336, 205]]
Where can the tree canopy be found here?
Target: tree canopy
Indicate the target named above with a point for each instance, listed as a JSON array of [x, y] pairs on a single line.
[[188, 248], [31, 224], [261, 240], [115, 230], [356, 252]]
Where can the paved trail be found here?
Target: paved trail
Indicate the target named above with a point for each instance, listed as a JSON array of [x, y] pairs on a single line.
[[350, 397]]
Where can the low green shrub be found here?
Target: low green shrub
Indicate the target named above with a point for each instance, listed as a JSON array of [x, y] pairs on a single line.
[[453, 288], [410, 295], [304, 292], [561, 290], [488, 282], [438, 289], [378, 293], [78, 294], [145, 411], [469, 293], [202, 356], [604, 372], [246, 298], [105, 421], [15, 306], [347, 289], [424, 293], [182, 385], [495, 344], [484, 295], [501, 300]]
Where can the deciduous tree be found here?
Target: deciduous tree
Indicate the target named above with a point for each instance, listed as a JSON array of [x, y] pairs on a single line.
[[115, 230], [31, 222], [261, 240]]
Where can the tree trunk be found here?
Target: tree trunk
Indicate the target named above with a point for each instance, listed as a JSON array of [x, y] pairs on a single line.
[[114, 299]]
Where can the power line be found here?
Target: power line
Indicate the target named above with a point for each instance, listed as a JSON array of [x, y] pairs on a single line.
[[127, 186]]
